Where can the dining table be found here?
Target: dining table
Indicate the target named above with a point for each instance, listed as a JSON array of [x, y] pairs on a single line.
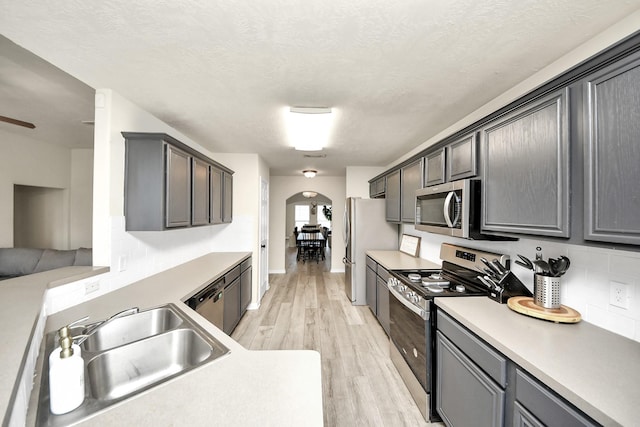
[[310, 246]]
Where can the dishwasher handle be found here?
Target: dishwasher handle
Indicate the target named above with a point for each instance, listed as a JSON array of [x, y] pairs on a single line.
[[213, 291]]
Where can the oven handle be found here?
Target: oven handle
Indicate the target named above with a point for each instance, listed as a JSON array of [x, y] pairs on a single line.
[[420, 312]]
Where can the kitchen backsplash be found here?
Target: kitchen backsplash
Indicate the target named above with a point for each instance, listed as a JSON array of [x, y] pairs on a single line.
[[587, 285]]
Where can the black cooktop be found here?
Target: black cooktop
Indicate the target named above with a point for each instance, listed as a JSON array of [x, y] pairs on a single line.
[[437, 283]]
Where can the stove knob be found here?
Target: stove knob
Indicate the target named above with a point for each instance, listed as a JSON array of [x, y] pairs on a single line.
[[402, 288], [460, 288]]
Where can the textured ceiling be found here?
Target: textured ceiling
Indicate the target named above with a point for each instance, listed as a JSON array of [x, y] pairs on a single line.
[[222, 72]]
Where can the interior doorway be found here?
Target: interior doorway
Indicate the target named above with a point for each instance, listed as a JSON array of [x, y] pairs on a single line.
[[308, 210], [40, 217]]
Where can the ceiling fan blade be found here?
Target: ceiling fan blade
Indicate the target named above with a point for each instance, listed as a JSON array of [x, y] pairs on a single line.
[[17, 122]]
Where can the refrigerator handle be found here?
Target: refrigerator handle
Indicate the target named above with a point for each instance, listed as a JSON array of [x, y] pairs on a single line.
[[346, 232], [345, 261]]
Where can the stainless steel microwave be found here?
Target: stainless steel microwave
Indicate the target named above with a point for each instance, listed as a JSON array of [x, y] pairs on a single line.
[[452, 208]]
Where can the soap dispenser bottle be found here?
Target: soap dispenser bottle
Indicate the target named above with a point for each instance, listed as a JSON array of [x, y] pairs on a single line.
[[66, 375]]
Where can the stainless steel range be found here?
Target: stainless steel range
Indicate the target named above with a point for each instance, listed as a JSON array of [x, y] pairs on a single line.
[[411, 312]]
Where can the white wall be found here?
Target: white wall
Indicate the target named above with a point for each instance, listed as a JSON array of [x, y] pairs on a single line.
[[25, 161], [358, 180], [283, 187], [41, 217], [81, 198]]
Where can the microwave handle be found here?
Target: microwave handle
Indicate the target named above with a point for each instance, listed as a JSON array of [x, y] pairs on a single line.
[[446, 209]]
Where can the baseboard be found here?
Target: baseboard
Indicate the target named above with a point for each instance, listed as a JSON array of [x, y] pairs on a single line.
[[277, 271]]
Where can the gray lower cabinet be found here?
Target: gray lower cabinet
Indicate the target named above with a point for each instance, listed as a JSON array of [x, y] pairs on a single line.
[[371, 285], [612, 153], [382, 306], [478, 386], [536, 405], [434, 167], [393, 197], [525, 172], [168, 184], [470, 378], [199, 192], [232, 290], [245, 289], [462, 159], [377, 292], [411, 179]]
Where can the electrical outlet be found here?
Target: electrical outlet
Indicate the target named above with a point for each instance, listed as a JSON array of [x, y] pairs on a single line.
[[122, 262], [91, 287], [619, 294]]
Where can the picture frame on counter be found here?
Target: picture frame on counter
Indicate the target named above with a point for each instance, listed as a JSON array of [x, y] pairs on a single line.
[[410, 245]]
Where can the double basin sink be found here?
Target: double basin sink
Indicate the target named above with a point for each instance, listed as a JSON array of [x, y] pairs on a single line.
[[127, 355]]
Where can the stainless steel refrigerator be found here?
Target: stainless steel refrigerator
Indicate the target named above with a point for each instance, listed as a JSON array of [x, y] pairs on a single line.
[[365, 228]]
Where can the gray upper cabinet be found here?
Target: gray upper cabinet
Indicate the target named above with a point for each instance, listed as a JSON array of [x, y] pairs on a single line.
[[227, 197], [178, 196], [525, 158], [411, 177], [200, 192], [434, 167], [612, 153], [461, 157], [216, 190], [167, 183], [392, 196], [377, 188]]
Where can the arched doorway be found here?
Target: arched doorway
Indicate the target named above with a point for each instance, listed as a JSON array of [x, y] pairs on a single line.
[[308, 209]]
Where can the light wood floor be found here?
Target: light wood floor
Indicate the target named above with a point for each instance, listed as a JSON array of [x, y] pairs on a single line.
[[306, 308]]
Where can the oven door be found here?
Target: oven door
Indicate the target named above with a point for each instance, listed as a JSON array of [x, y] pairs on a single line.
[[410, 333]]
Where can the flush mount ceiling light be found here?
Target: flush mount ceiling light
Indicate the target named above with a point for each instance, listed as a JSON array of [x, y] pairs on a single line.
[[308, 127], [309, 173], [309, 194]]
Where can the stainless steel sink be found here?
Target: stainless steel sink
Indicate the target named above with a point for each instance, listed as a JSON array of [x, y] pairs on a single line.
[[129, 355], [124, 370], [132, 328]]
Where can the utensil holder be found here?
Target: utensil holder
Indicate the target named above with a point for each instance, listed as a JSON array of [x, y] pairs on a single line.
[[546, 291]]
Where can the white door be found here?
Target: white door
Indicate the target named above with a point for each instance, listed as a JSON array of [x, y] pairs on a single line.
[[263, 260]]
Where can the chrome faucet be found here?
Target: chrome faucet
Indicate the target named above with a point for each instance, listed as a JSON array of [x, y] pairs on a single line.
[[91, 328]]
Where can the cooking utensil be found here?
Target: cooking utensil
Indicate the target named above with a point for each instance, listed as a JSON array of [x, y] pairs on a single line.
[[500, 267], [524, 262], [495, 270], [542, 267]]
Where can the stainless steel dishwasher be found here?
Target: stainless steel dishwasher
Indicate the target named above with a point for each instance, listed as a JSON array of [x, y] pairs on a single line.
[[209, 302]]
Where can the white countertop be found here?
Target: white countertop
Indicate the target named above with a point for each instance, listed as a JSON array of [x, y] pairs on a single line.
[[396, 260], [21, 301], [243, 388], [594, 369]]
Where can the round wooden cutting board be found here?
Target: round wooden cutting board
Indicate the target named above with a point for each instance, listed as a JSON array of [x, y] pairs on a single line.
[[525, 305]]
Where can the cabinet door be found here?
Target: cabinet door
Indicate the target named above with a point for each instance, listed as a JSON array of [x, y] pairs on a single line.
[[227, 203], [434, 165], [525, 158], [465, 395], [612, 154], [523, 418], [231, 306], [199, 192], [377, 188], [178, 188], [544, 406], [461, 158], [392, 197], [383, 304], [370, 282], [215, 188], [245, 290], [411, 178]]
